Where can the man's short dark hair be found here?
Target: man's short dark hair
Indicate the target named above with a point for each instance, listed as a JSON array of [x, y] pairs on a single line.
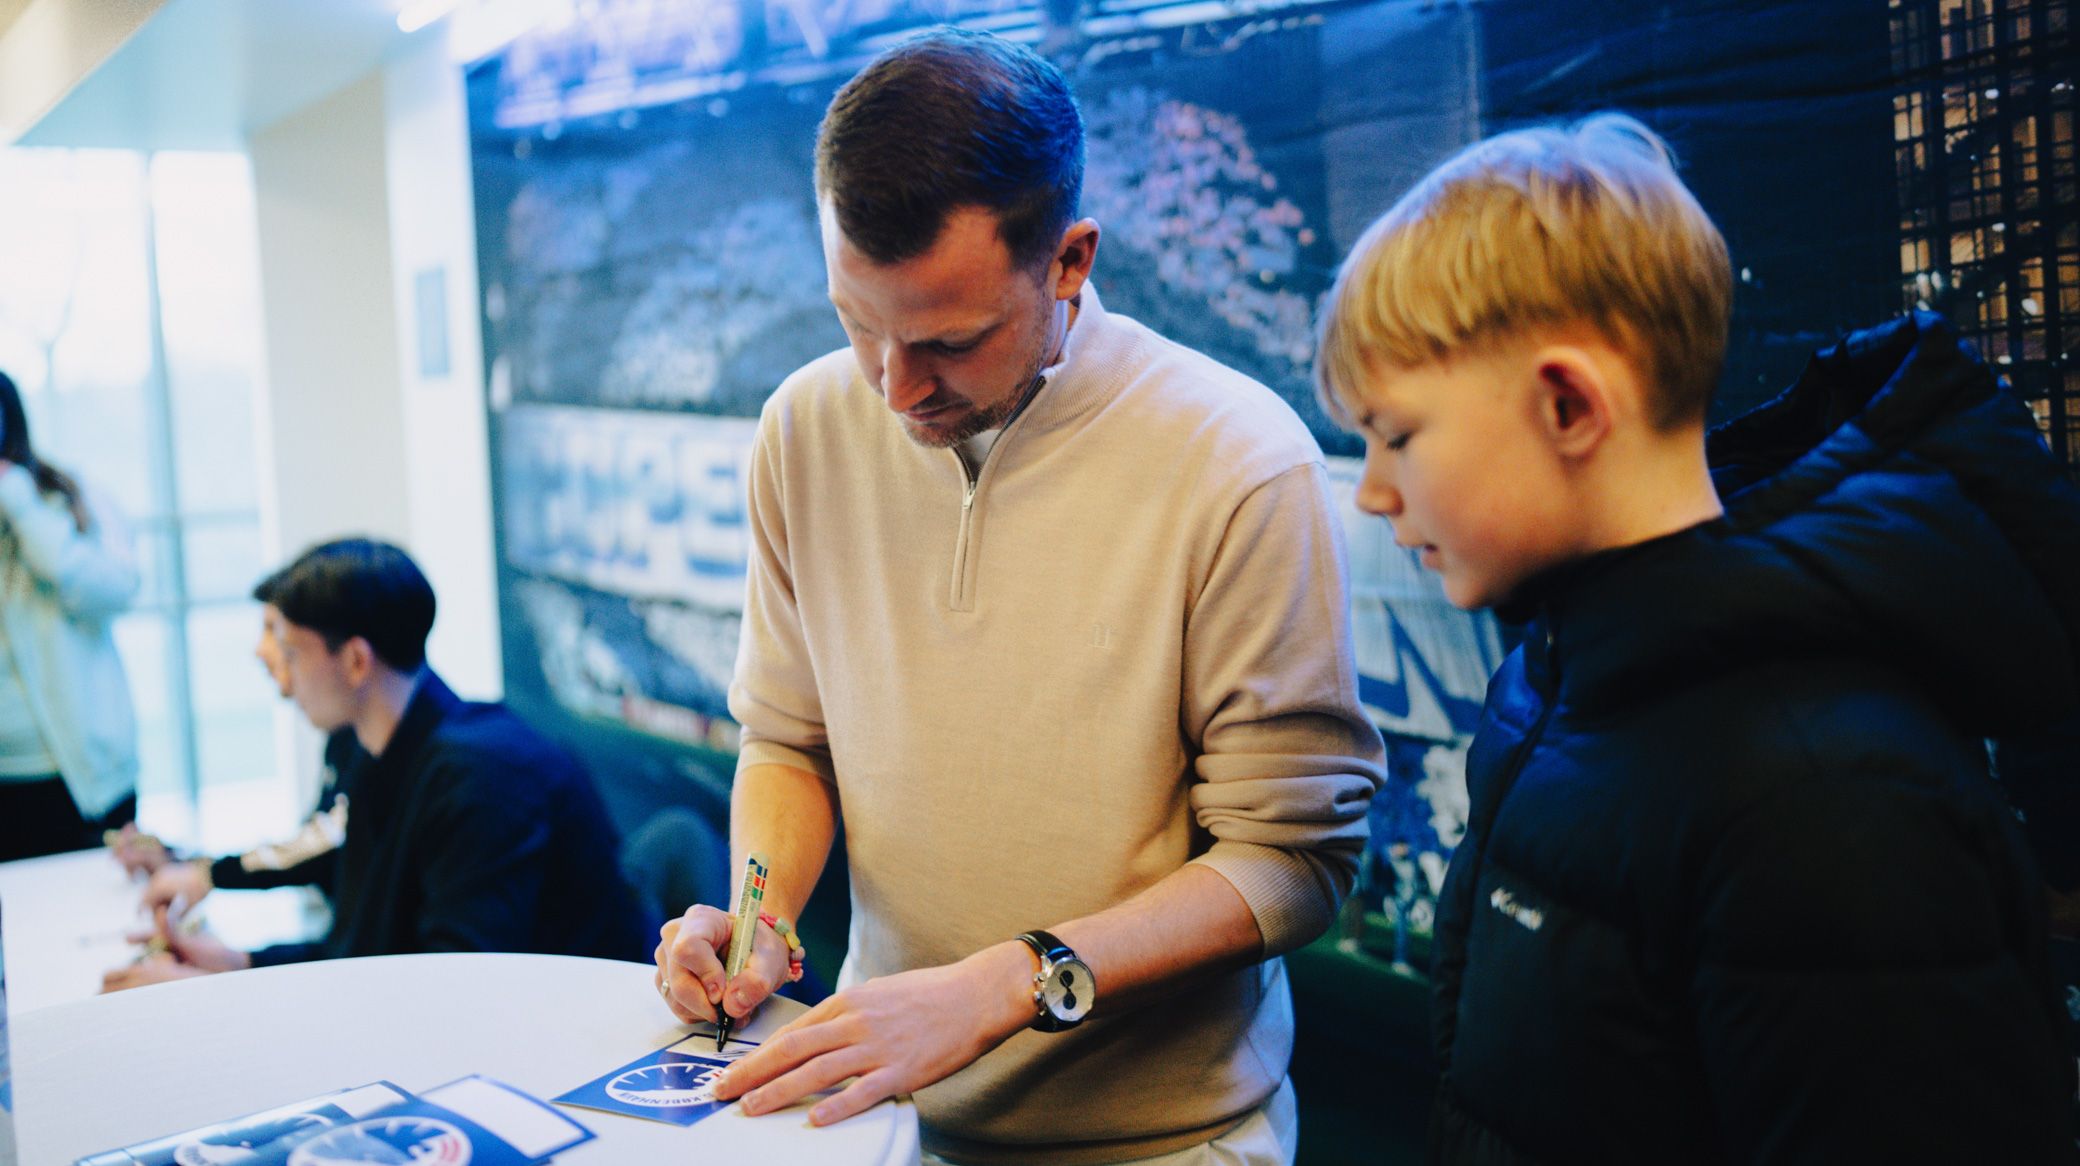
[[357, 587], [947, 120]]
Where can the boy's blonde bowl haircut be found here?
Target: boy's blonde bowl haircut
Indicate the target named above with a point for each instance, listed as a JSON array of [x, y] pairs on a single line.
[[1585, 223]]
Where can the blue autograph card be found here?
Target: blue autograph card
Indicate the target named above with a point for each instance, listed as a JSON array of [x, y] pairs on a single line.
[[675, 1084], [471, 1122], [239, 1139]]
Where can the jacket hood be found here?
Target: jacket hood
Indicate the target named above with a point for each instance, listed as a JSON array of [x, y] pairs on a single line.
[[1896, 503]]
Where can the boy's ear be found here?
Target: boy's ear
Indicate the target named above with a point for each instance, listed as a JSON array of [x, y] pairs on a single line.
[[1574, 398]]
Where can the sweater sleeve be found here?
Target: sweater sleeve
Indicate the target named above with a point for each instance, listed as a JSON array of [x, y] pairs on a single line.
[[307, 859], [773, 694], [1288, 761], [94, 573], [276, 955]]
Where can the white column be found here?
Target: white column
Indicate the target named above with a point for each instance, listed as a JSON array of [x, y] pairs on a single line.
[[333, 461], [447, 458]]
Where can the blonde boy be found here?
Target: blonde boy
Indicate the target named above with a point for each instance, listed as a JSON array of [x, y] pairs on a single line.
[[1735, 887], [1548, 309]]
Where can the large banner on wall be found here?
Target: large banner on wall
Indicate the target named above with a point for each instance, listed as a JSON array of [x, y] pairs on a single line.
[[652, 270]]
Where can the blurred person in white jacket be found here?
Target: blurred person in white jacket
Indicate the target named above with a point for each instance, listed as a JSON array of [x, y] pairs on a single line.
[[68, 736]]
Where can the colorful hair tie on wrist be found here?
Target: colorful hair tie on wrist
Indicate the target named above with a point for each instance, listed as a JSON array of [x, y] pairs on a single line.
[[795, 952]]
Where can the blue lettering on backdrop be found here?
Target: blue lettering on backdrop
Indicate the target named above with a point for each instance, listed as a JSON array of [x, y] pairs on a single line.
[[1392, 696], [629, 557]]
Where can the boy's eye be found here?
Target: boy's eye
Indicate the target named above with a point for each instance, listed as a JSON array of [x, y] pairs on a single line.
[[946, 349], [1376, 426]]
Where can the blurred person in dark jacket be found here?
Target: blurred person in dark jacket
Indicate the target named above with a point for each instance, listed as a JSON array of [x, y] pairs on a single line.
[[469, 832]]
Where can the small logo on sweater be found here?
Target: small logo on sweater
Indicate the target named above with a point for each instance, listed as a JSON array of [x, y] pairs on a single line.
[[1529, 918]]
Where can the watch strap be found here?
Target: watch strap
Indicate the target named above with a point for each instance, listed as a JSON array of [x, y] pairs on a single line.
[[1047, 947], [1051, 952]]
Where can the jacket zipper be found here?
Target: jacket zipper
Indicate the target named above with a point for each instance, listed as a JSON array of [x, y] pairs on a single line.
[[1466, 876]]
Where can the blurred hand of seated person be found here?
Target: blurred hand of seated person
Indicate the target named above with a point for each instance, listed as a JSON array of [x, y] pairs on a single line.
[[138, 853], [156, 968], [176, 953], [177, 883]]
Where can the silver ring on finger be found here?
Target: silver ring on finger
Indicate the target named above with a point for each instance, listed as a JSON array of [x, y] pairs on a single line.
[[664, 987]]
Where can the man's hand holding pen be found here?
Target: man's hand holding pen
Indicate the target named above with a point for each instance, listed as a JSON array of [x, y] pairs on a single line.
[[690, 973], [894, 1034]]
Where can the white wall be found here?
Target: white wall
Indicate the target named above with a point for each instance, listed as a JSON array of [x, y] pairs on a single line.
[[328, 322], [357, 195], [447, 460], [333, 457]]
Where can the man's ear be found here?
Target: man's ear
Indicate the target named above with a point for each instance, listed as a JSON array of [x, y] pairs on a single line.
[[1073, 259], [1574, 400], [359, 659]]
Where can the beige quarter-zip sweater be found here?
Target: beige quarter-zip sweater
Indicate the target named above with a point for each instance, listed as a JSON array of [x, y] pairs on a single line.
[[1121, 647]]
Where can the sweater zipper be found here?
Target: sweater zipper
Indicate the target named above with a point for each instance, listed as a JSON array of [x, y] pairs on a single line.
[[960, 599], [961, 596]]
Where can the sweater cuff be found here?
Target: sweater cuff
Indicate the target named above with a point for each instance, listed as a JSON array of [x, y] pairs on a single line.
[[763, 752], [1290, 897], [228, 873]]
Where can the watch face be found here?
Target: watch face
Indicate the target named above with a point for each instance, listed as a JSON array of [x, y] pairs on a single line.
[[1069, 991]]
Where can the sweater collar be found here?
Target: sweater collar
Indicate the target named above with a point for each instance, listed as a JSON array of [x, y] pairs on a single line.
[[1096, 351]]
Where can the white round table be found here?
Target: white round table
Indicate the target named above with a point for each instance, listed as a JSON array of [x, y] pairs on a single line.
[[115, 1070], [68, 915]]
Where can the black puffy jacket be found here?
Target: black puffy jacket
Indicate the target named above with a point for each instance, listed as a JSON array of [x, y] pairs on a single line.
[[1737, 886]]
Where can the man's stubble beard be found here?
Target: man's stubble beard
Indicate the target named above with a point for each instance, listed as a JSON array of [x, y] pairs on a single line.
[[1000, 414]]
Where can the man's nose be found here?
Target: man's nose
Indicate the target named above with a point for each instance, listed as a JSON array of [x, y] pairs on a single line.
[[906, 382]]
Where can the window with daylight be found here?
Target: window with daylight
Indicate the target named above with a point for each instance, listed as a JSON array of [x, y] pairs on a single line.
[[129, 317]]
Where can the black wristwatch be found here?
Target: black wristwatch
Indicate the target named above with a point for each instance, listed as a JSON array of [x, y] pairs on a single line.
[[1063, 989]]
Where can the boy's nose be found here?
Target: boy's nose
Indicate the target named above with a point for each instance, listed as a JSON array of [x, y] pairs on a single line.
[[1378, 498]]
